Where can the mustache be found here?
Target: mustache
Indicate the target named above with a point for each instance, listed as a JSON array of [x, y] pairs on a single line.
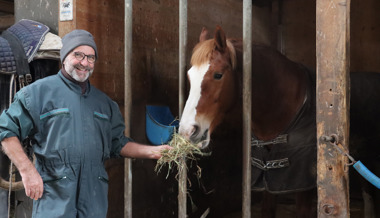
[[81, 67]]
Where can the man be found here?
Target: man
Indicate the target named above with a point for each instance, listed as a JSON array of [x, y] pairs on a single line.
[[74, 128]]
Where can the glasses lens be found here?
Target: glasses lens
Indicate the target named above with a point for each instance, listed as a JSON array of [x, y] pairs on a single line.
[[91, 58], [79, 55]]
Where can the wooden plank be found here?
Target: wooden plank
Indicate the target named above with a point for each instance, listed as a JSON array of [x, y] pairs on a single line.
[[6, 21], [333, 44], [105, 21], [65, 27], [7, 7], [276, 25]]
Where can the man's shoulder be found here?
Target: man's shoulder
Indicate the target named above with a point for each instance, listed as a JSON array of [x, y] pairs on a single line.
[[101, 96], [49, 80], [99, 93], [45, 84]]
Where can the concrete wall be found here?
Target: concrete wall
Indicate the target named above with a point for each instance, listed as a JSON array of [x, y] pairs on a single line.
[[43, 11]]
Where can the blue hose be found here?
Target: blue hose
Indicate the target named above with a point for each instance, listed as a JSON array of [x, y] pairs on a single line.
[[368, 175]]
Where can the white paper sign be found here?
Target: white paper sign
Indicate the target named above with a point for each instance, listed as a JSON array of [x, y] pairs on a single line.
[[66, 10]]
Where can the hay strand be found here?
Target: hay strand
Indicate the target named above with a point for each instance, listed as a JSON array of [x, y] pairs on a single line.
[[182, 149]]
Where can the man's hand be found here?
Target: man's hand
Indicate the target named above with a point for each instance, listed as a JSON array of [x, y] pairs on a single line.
[[33, 183], [30, 177], [136, 150], [156, 151]]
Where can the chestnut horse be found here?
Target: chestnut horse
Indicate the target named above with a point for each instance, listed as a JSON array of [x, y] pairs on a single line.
[[284, 151]]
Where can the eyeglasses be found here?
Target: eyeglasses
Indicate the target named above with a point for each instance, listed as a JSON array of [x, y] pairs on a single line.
[[80, 56]]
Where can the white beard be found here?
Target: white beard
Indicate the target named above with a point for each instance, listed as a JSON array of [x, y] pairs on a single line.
[[72, 71]]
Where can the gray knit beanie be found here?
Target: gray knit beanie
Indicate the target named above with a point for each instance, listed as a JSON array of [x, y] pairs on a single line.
[[74, 39]]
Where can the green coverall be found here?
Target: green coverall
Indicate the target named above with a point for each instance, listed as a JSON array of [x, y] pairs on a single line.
[[72, 134]]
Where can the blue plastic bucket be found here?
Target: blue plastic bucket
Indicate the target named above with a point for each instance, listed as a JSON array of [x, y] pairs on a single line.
[[160, 124]]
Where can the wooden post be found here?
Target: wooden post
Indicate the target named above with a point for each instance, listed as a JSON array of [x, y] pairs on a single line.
[[333, 46]]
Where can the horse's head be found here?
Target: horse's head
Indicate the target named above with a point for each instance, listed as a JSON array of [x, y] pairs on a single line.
[[213, 87]]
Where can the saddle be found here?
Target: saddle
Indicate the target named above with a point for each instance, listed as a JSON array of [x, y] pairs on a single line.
[[18, 46]]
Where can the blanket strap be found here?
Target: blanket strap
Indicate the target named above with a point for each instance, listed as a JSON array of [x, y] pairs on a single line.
[[278, 140]]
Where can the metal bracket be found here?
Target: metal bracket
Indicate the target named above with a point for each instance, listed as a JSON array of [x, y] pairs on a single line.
[[278, 140], [272, 164]]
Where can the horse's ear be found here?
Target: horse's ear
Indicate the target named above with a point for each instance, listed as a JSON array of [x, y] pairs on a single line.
[[220, 39], [204, 35]]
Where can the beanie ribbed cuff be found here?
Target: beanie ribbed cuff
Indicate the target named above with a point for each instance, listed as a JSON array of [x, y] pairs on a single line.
[[74, 39]]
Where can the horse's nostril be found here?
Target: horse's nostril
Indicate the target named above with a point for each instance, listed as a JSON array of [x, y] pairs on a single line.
[[204, 136], [195, 130]]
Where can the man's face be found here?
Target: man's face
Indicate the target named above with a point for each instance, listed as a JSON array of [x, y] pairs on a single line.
[[79, 70]]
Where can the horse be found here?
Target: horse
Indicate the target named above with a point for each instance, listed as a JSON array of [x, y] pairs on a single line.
[[284, 143]]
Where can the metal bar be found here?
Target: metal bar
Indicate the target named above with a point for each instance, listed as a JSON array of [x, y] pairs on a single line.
[[182, 186], [127, 103], [332, 47], [247, 87], [182, 52]]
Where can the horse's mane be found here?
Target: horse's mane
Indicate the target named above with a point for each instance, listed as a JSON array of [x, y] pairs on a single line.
[[203, 50]]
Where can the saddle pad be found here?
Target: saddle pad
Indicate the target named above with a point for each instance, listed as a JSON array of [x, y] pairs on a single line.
[[31, 34], [7, 60], [49, 48]]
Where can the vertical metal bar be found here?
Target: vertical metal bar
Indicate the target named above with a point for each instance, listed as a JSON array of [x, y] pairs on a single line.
[[332, 48], [182, 52], [247, 87], [127, 103], [182, 186]]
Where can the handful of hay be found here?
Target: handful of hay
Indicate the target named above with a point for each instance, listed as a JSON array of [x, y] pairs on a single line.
[[182, 149]]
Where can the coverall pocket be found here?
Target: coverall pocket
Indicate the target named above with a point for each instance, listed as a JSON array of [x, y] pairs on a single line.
[[101, 116], [102, 175], [55, 112], [102, 125], [98, 194], [59, 195], [56, 183], [56, 128], [103, 179]]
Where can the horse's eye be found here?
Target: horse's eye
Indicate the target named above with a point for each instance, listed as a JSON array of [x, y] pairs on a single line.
[[218, 76]]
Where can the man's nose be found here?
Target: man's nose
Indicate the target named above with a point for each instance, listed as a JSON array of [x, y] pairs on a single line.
[[84, 62]]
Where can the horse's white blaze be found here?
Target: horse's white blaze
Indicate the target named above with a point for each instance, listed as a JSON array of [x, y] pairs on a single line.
[[187, 123]]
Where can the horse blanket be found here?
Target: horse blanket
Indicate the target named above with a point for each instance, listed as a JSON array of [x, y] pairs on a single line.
[[18, 45], [290, 164]]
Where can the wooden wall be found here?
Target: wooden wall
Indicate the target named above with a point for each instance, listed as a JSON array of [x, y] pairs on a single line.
[[155, 76], [365, 35], [298, 33], [155, 79]]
